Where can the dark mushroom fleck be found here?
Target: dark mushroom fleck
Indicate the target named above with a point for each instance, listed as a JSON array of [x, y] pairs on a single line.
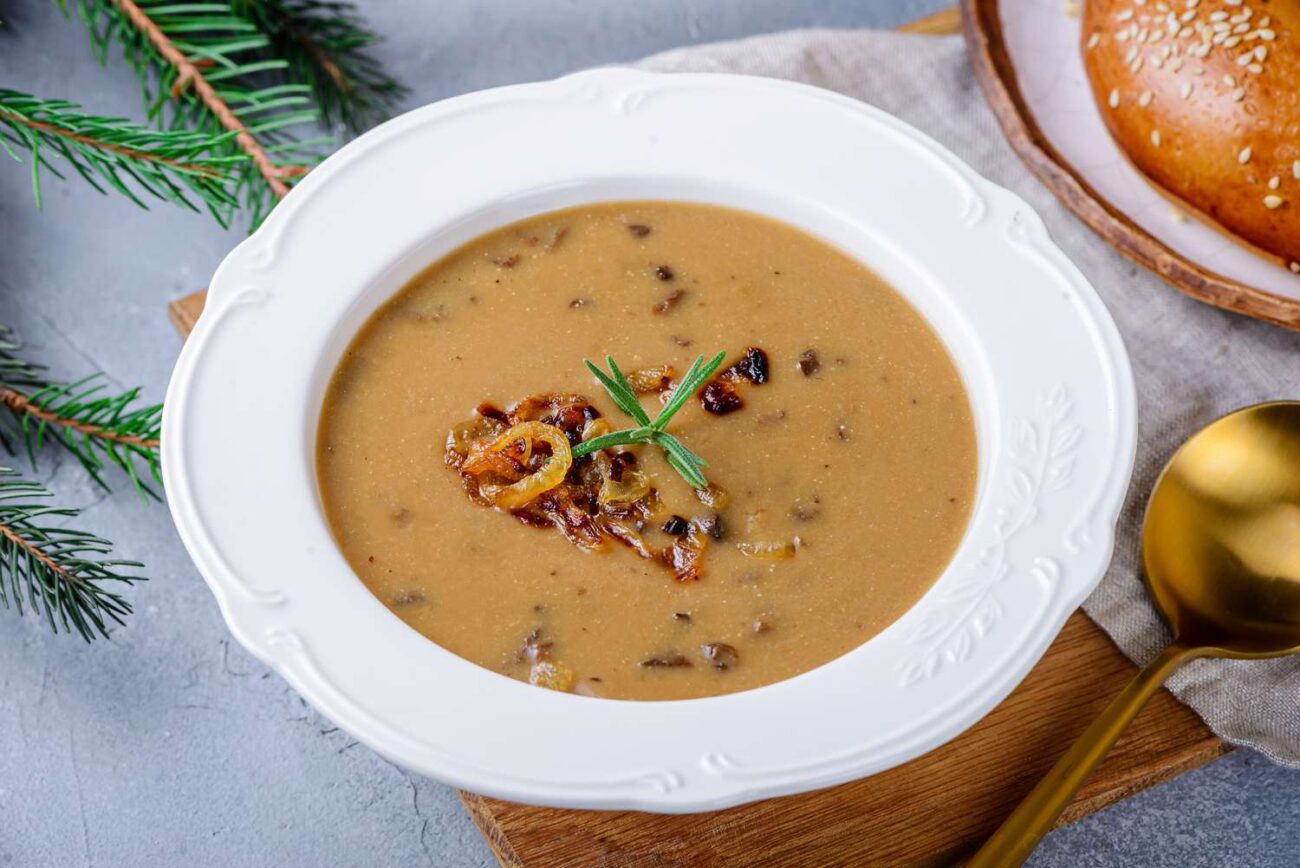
[[809, 363], [577, 303], [842, 431], [752, 367], [671, 660], [619, 463], [681, 342], [638, 230], [720, 655], [804, 510], [720, 397], [534, 648], [670, 301], [663, 272], [408, 598], [711, 525], [557, 238], [676, 525], [683, 617]]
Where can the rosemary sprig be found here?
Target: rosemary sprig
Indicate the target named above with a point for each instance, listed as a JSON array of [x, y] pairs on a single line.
[[681, 459]]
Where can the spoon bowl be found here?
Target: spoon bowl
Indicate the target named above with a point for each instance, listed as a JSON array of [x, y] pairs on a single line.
[[1221, 552], [1221, 542]]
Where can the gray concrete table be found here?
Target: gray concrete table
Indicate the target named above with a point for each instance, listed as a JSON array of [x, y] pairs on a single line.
[[170, 745]]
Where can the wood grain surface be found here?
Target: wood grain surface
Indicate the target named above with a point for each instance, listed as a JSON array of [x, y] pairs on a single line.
[[982, 25], [931, 811]]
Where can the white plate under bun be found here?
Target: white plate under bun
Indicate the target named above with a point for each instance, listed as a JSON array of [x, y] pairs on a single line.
[[1027, 56]]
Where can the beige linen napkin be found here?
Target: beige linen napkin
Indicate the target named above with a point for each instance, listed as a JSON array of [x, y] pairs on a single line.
[[1192, 362]]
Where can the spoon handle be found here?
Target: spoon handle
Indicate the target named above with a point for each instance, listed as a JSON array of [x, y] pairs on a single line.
[[1016, 838]]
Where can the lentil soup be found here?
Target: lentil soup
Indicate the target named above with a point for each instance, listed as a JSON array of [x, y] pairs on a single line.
[[840, 449]]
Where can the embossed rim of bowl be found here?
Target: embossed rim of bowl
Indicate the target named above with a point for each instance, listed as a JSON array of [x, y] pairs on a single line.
[[1046, 370]]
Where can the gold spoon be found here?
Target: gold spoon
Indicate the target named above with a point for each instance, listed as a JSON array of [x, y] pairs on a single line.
[[1221, 547]]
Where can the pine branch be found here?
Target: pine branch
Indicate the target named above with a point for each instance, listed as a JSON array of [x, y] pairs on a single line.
[[135, 160], [204, 68], [99, 428], [325, 44], [56, 571]]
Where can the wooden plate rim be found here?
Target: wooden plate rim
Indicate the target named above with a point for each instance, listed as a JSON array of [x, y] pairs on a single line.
[[986, 46]]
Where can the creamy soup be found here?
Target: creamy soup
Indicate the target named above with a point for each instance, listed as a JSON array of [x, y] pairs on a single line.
[[840, 449]]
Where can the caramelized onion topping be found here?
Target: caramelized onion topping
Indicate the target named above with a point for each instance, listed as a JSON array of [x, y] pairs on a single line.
[[513, 450], [650, 380], [520, 460]]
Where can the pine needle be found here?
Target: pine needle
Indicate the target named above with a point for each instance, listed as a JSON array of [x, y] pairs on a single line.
[[53, 571], [325, 44], [204, 68], [178, 166], [100, 428]]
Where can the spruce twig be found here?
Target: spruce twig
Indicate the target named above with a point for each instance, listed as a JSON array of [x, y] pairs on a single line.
[[204, 68], [325, 43], [98, 427], [55, 571], [135, 160], [189, 77]]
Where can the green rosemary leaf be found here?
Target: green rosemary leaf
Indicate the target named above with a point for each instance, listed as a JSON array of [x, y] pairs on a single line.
[[629, 394], [695, 375], [687, 472], [683, 460], [622, 397], [615, 438], [670, 442]]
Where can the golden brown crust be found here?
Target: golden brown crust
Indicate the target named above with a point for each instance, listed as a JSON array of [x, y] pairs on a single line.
[[1204, 97]]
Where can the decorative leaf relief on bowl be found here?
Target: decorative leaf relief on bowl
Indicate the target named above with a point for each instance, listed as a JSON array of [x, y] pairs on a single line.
[[1041, 456], [262, 255], [719, 763]]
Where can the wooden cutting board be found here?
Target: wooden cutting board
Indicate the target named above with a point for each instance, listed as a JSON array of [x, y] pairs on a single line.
[[931, 811]]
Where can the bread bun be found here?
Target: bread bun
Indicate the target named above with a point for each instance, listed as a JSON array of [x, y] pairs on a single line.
[[1204, 97]]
